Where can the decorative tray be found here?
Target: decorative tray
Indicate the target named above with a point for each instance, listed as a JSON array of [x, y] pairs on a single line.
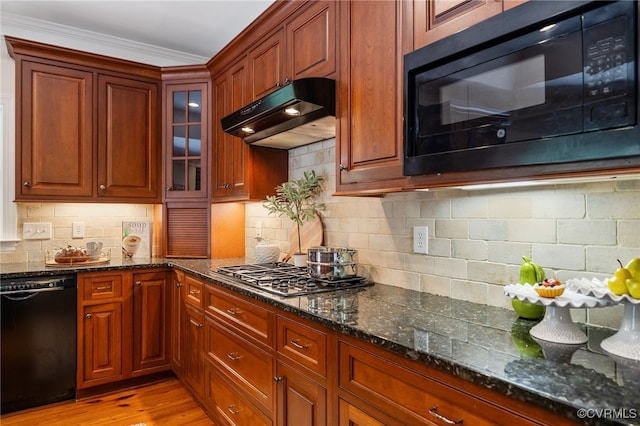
[[64, 262], [556, 325]]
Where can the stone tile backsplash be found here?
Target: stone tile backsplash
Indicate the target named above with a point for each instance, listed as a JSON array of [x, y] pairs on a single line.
[[476, 238]]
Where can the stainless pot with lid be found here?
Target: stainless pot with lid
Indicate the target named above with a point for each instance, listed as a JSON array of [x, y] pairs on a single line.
[[332, 263]]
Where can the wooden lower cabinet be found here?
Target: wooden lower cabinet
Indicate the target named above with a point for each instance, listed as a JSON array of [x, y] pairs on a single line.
[[253, 364], [300, 400], [123, 320], [193, 366]]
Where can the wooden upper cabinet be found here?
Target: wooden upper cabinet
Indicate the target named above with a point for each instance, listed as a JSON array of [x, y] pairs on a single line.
[[87, 126], [54, 132], [370, 82], [311, 42], [305, 46], [128, 152], [436, 19], [187, 140], [266, 66], [241, 172]]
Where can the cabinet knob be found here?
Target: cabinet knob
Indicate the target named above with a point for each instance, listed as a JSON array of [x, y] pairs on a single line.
[[102, 187], [27, 184], [277, 379], [168, 188], [178, 284], [342, 168], [287, 80], [88, 316], [278, 84], [138, 283]]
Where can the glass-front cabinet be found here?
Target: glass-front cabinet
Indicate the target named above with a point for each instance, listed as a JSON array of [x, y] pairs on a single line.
[[186, 141]]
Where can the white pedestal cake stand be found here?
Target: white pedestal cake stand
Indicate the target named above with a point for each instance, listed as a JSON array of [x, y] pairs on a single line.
[[557, 325], [626, 342]]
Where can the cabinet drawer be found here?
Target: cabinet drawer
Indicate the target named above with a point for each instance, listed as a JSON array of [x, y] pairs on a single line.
[[100, 287], [302, 344], [411, 397], [231, 408], [193, 291], [249, 367], [252, 320]]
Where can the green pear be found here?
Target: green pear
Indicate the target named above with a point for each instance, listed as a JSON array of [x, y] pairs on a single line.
[[618, 283], [634, 267]]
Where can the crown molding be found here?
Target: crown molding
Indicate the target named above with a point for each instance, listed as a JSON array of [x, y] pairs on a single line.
[[93, 42]]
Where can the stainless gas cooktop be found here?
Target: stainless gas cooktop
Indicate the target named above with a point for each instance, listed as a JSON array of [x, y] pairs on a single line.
[[288, 280]]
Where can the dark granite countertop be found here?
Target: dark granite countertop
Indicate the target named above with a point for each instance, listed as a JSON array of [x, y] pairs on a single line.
[[486, 345]]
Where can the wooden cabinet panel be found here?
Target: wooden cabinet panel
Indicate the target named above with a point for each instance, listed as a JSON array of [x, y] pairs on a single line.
[[176, 321], [193, 344], [436, 19], [311, 42], [350, 415], [193, 291], [103, 286], [102, 342], [266, 66], [411, 397], [230, 407], [128, 152], [150, 322], [301, 401], [249, 367], [304, 345], [54, 149], [255, 322], [370, 81]]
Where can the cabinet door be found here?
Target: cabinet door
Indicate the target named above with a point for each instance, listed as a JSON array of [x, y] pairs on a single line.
[[369, 140], [102, 342], [353, 416], [231, 152], [150, 322], [436, 19], [311, 42], [187, 141], [128, 137], [301, 401], [177, 320], [266, 66], [193, 345], [54, 133]]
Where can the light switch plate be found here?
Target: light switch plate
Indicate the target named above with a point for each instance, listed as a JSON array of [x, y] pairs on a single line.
[[36, 231], [421, 239]]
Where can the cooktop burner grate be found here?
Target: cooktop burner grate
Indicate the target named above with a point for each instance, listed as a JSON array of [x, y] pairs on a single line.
[[285, 279]]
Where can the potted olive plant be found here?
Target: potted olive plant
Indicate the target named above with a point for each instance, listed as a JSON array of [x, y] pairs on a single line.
[[297, 200]]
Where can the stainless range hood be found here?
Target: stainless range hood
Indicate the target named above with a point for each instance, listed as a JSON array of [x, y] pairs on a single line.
[[299, 113]]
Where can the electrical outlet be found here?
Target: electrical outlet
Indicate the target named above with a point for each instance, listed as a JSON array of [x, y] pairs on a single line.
[[77, 230], [36, 231], [258, 229], [420, 239]]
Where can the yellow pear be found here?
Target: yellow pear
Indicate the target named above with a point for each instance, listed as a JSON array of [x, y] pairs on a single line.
[[634, 267]]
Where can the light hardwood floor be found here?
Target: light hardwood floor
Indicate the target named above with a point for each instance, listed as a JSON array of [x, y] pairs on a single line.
[[164, 403]]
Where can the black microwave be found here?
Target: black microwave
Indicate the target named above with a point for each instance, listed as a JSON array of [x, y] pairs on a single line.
[[548, 82]]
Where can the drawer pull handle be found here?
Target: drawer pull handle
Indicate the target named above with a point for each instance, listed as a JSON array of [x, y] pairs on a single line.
[[296, 343], [232, 410], [138, 283], [434, 413], [103, 287], [194, 292], [88, 316], [196, 324], [233, 311], [234, 356]]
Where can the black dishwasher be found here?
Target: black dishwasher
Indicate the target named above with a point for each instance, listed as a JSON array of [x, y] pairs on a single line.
[[38, 352]]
